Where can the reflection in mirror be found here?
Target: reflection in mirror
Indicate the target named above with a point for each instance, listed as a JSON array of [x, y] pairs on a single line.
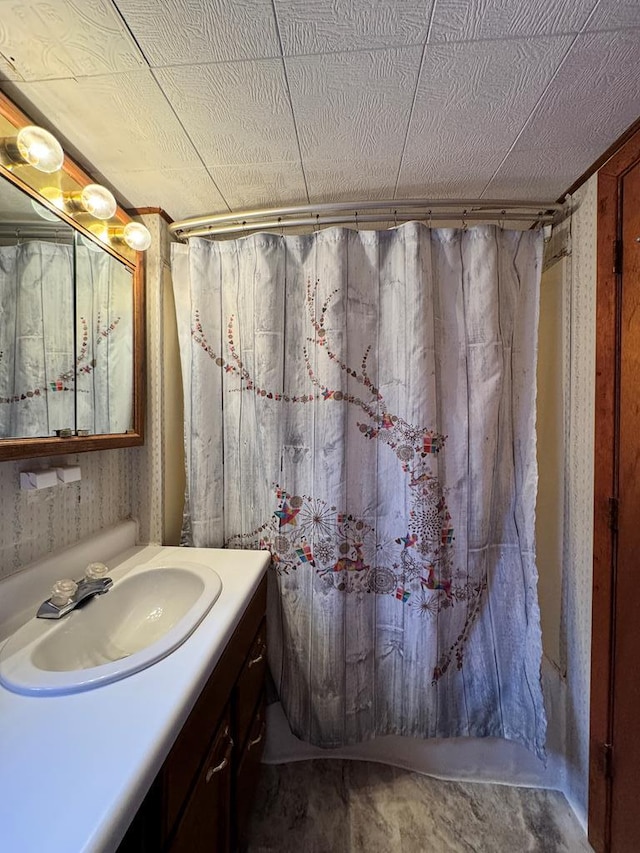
[[57, 374], [104, 329], [37, 348]]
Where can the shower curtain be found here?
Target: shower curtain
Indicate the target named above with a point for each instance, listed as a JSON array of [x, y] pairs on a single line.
[[362, 404]]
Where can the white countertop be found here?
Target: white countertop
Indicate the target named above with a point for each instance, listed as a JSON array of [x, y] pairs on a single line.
[[83, 795]]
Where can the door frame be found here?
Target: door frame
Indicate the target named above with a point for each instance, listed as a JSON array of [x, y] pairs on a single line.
[[606, 455]]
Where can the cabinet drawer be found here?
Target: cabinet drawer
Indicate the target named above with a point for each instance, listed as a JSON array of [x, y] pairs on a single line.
[[251, 684]]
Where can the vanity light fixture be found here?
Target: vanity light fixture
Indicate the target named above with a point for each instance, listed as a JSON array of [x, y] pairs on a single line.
[[135, 235], [34, 146], [98, 201], [93, 199]]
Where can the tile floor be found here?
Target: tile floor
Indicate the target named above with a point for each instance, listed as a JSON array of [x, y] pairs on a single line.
[[333, 806]]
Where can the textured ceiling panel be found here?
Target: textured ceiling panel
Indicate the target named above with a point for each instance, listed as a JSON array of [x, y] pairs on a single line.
[[324, 26], [615, 14], [592, 100], [260, 185], [449, 167], [353, 106], [472, 101], [183, 191], [333, 180], [68, 38], [180, 32], [117, 121], [537, 174], [237, 112], [471, 20]]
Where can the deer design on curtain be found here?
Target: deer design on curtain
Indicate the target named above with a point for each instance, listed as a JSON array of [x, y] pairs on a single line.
[[420, 572]]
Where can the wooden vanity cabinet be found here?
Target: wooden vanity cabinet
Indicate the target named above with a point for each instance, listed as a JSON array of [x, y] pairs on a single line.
[[201, 797]]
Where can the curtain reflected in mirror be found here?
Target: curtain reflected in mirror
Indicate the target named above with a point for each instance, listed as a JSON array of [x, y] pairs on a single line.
[[104, 330], [36, 339]]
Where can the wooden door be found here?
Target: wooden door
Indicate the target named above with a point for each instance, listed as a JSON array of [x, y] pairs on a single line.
[[625, 739]]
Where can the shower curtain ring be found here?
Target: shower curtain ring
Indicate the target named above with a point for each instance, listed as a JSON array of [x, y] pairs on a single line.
[[430, 219], [464, 220], [395, 218], [317, 225], [281, 227], [356, 221]]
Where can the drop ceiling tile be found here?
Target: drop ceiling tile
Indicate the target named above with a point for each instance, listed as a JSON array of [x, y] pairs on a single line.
[[543, 173], [180, 192], [115, 121], [338, 180], [237, 112], [615, 14], [453, 169], [475, 20], [594, 97], [353, 107], [65, 38], [472, 101], [180, 32], [324, 26], [252, 185]]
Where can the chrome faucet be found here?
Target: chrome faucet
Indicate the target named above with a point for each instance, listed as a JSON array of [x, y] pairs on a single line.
[[67, 594]]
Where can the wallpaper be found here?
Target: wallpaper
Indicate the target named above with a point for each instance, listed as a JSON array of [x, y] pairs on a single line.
[[33, 523], [579, 367]]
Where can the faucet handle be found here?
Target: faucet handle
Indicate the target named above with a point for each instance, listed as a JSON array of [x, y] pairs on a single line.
[[94, 571], [63, 591]]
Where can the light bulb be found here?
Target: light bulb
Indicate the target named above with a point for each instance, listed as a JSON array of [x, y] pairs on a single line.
[[98, 201], [136, 236], [40, 149]]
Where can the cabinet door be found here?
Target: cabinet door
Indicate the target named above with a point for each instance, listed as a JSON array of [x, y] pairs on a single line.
[[206, 822], [250, 685], [249, 771]]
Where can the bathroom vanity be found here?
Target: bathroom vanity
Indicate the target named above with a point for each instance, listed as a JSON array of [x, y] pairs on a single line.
[[163, 759], [200, 799]]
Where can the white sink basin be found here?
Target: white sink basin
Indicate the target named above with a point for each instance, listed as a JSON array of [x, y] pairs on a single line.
[[143, 618]]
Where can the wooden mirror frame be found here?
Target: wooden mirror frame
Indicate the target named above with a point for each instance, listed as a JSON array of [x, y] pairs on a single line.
[[73, 177]]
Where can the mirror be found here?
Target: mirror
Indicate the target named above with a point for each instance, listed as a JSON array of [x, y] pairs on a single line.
[[71, 334]]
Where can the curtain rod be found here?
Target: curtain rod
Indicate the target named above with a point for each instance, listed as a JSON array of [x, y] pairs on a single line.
[[349, 213]]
